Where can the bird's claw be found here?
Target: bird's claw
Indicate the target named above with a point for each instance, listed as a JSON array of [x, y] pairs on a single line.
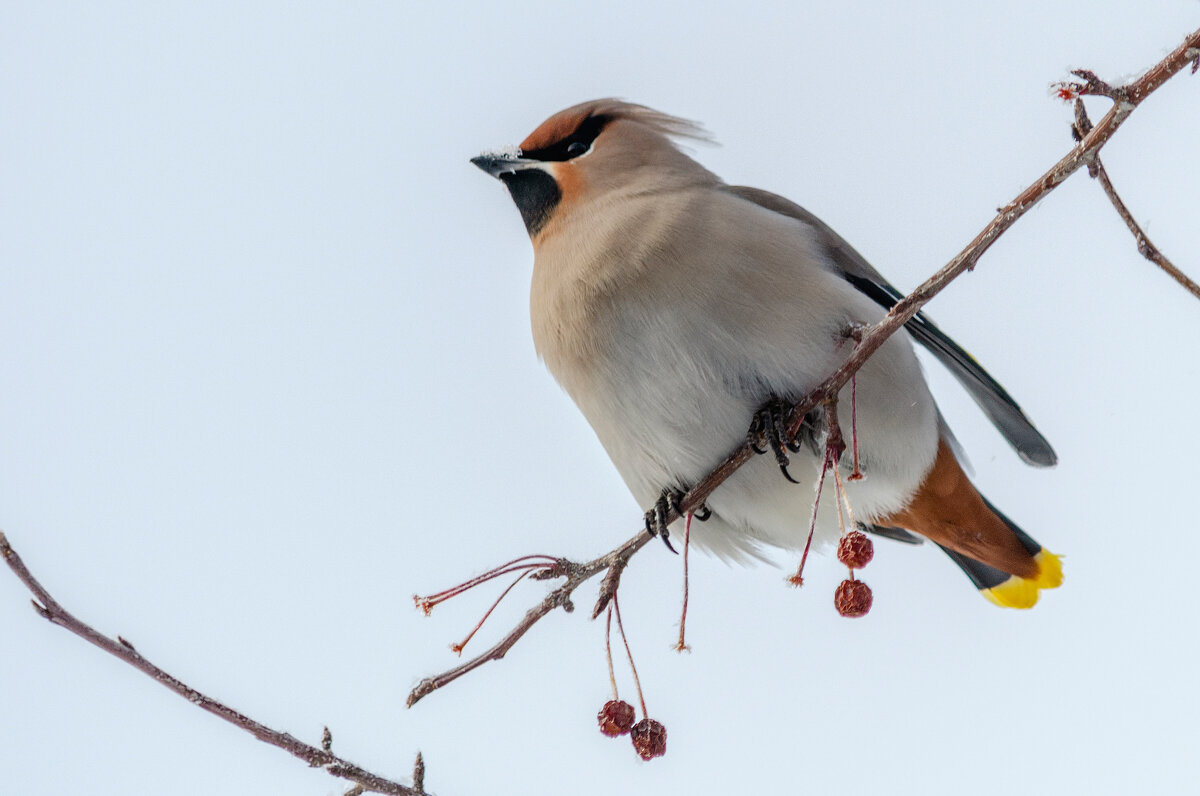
[[768, 432], [656, 518]]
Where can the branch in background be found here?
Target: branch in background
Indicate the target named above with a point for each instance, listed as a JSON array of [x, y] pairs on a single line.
[[1147, 249], [50, 609], [1125, 100]]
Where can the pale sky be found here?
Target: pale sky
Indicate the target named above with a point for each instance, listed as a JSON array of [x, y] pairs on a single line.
[[267, 372]]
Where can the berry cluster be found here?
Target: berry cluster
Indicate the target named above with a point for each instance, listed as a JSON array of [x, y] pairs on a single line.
[[617, 716], [649, 736], [853, 597]]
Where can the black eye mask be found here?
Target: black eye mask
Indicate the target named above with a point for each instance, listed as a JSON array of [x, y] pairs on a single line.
[[573, 145]]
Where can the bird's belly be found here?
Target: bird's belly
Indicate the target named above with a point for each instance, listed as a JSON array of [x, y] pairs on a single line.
[[668, 354], [669, 425]]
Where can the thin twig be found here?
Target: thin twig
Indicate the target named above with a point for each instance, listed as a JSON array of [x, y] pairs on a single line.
[[1093, 86], [868, 339], [1144, 246], [418, 776], [50, 609], [575, 574], [1147, 249]]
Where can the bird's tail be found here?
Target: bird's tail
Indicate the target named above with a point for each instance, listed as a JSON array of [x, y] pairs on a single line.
[[1003, 562], [1003, 589]]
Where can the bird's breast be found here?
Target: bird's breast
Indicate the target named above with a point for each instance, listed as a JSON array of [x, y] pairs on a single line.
[[670, 324]]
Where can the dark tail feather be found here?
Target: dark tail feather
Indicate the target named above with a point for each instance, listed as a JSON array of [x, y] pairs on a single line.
[[983, 576], [895, 534]]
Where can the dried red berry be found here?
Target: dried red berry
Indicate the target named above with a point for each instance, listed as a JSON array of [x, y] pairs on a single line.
[[649, 738], [616, 717], [852, 598], [855, 550]]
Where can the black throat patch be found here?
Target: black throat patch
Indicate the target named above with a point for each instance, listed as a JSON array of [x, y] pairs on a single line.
[[535, 193]]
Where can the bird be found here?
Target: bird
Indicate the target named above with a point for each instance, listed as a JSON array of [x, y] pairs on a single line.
[[680, 313]]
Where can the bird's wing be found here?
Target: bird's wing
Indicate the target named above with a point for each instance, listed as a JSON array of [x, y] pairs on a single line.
[[995, 402]]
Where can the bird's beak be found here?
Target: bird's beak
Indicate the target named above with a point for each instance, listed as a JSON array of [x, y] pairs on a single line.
[[499, 165]]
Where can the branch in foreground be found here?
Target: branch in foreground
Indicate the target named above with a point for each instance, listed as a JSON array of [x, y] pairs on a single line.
[[50, 609], [1125, 100], [1147, 249]]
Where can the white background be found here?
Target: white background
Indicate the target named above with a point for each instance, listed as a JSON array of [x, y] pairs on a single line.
[[266, 372]]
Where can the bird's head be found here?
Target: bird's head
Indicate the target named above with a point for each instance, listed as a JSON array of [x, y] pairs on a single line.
[[588, 151]]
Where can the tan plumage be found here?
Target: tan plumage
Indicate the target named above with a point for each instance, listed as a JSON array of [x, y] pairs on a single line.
[[671, 306]]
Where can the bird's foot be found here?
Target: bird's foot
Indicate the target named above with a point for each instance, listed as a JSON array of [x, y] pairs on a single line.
[[768, 432], [670, 500]]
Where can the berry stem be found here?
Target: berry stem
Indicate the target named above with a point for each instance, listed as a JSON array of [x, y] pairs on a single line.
[[636, 680], [612, 677], [857, 474], [681, 645], [841, 488], [458, 648], [838, 496], [526, 563], [798, 578]]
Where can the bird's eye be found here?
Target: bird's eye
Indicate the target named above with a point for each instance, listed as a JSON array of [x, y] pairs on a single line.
[[571, 146]]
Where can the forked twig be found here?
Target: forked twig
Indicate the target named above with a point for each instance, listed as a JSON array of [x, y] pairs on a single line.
[[613, 563]]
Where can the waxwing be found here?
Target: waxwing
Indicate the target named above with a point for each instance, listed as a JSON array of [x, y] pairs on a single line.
[[676, 311]]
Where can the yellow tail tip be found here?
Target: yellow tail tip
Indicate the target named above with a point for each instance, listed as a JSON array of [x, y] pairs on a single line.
[[1023, 592]]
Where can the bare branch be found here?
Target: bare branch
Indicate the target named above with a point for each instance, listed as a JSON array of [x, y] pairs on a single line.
[[869, 339], [49, 608]]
